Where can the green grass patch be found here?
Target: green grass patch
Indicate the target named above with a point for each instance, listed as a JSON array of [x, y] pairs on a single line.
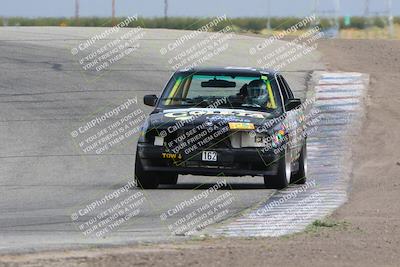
[[326, 223], [247, 24]]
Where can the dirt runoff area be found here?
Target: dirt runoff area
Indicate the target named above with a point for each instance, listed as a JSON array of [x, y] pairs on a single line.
[[364, 232]]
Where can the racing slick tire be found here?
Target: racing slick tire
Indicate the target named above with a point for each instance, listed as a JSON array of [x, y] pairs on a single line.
[[170, 178], [282, 179], [145, 179], [300, 177]]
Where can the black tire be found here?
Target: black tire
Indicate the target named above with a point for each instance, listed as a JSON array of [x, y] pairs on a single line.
[[170, 178], [281, 180], [145, 179], [300, 177]]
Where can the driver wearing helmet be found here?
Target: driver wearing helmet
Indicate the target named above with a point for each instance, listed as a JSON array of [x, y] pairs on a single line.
[[257, 93]]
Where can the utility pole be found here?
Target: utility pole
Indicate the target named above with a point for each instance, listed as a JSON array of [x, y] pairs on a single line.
[[366, 8], [330, 16], [316, 6], [369, 19], [316, 12], [337, 14], [366, 13], [113, 12], [390, 18], [165, 9], [269, 15], [77, 12]]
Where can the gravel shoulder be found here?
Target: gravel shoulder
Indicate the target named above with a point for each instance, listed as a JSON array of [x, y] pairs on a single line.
[[363, 232]]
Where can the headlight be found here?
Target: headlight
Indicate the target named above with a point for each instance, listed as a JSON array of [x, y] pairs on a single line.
[[149, 135], [143, 132]]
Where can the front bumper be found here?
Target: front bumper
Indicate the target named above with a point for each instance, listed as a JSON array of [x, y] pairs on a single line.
[[232, 162]]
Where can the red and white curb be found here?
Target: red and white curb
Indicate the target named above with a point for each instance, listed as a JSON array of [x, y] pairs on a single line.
[[340, 99]]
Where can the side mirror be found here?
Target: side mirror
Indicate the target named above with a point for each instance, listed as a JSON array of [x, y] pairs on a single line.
[[293, 103], [150, 100]]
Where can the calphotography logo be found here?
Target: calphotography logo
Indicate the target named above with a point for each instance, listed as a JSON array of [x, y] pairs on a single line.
[[113, 210], [98, 53], [110, 128], [198, 47]]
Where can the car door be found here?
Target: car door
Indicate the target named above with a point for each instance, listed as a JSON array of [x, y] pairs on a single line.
[[294, 120]]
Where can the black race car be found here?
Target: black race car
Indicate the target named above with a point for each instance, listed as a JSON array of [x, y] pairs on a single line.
[[223, 122]]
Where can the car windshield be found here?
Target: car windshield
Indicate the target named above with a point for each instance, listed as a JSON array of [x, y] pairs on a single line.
[[214, 91]]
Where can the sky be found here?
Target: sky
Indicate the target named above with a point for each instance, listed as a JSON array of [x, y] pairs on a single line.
[[152, 8]]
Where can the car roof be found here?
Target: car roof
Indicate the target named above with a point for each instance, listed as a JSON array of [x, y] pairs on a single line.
[[228, 71]]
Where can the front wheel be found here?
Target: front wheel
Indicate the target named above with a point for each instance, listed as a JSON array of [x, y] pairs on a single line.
[[282, 179], [145, 179], [300, 177]]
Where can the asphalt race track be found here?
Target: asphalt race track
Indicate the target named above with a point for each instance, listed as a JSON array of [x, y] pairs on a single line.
[[45, 94]]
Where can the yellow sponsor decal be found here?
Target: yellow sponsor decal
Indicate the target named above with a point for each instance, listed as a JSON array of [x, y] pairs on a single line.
[[271, 103], [173, 91], [241, 126], [171, 156]]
